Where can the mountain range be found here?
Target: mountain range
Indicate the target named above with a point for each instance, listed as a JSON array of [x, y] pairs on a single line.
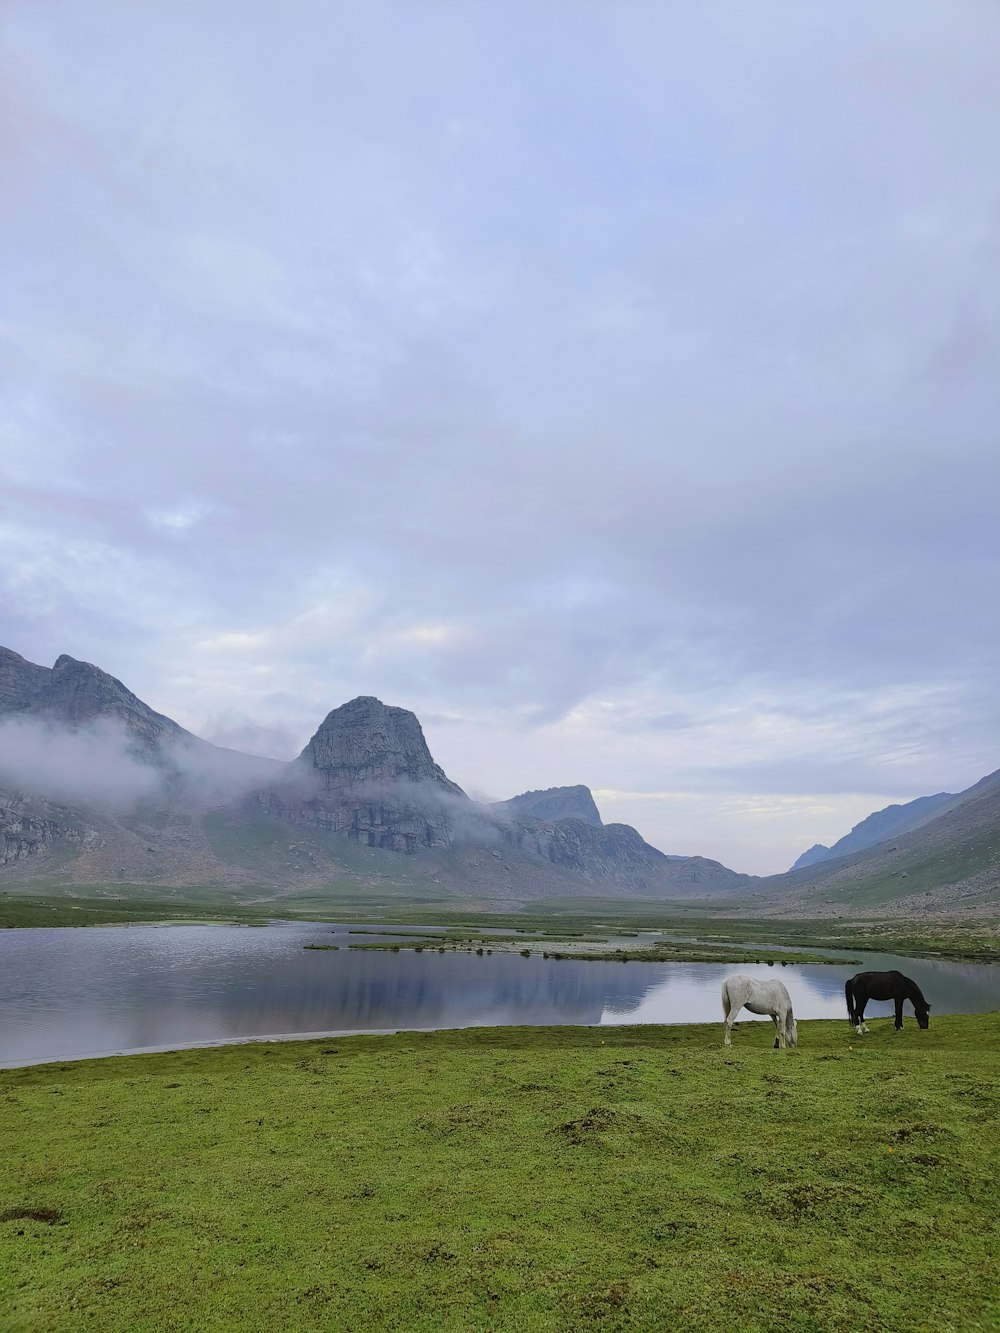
[[97, 789], [878, 827]]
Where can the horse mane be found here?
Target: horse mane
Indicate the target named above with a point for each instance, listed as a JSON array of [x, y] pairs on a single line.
[[914, 994]]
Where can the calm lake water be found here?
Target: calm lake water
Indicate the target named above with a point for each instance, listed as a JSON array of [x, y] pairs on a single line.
[[67, 993]]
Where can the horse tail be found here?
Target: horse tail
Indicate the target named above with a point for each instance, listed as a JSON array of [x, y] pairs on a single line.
[[791, 1029], [849, 995]]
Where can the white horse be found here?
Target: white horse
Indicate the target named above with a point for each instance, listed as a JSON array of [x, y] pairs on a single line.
[[760, 997]]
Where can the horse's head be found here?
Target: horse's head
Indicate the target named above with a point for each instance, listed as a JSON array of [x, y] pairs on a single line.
[[923, 1016], [791, 1032]]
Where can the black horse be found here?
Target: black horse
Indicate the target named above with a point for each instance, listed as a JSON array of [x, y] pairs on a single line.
[[884, 986]]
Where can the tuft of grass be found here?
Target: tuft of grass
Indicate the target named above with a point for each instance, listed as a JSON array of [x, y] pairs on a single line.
[[512, 1179]]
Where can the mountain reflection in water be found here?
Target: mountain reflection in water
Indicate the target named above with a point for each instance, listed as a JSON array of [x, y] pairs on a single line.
[[66, 993]]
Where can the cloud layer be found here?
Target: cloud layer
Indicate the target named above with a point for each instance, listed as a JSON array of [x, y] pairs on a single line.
[[615, 386]]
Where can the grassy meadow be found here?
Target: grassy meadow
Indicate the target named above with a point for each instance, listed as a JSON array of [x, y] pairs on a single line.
[[512, 1179], [28, 910]]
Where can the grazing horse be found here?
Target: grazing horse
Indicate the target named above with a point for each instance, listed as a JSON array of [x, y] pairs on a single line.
[[883, 986], [760, 997]]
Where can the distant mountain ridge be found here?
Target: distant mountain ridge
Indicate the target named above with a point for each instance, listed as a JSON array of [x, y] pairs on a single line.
[[364, 804], [876, 828], [365, 811], [941, 857]]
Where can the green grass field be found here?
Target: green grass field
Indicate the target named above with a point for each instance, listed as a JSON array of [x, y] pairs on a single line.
[[512, 1179]]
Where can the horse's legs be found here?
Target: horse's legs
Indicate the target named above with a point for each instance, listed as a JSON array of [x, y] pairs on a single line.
[[730, 1014], [861, 1026], [779, 1036], [899, 1012]]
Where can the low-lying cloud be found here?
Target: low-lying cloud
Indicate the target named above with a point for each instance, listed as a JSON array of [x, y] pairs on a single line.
[[91, 766], [99, 765]]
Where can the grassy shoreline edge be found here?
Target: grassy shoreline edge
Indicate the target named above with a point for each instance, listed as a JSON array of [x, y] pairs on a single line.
[[946, 939]]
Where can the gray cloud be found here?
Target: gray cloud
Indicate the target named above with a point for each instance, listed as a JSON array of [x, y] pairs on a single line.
[[510, 367]]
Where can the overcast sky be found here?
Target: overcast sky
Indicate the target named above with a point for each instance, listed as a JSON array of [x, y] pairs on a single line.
[[616, 385]]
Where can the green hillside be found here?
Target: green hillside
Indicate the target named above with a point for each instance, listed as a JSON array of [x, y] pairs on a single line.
[[949, 864]]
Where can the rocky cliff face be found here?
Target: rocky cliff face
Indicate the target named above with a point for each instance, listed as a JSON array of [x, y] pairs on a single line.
[[22, 833], [367, 773], [20, 681], [30, 827], [555, 803], [615, 855], [365, 742]]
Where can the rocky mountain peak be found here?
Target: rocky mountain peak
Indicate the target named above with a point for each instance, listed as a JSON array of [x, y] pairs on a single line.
[[816, 853], [556, 803], [78, 692], [366, 742], [367, 777], [74, 693], [19, 680]]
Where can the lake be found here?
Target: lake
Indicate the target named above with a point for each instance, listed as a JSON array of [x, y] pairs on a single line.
[[66, 993]]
